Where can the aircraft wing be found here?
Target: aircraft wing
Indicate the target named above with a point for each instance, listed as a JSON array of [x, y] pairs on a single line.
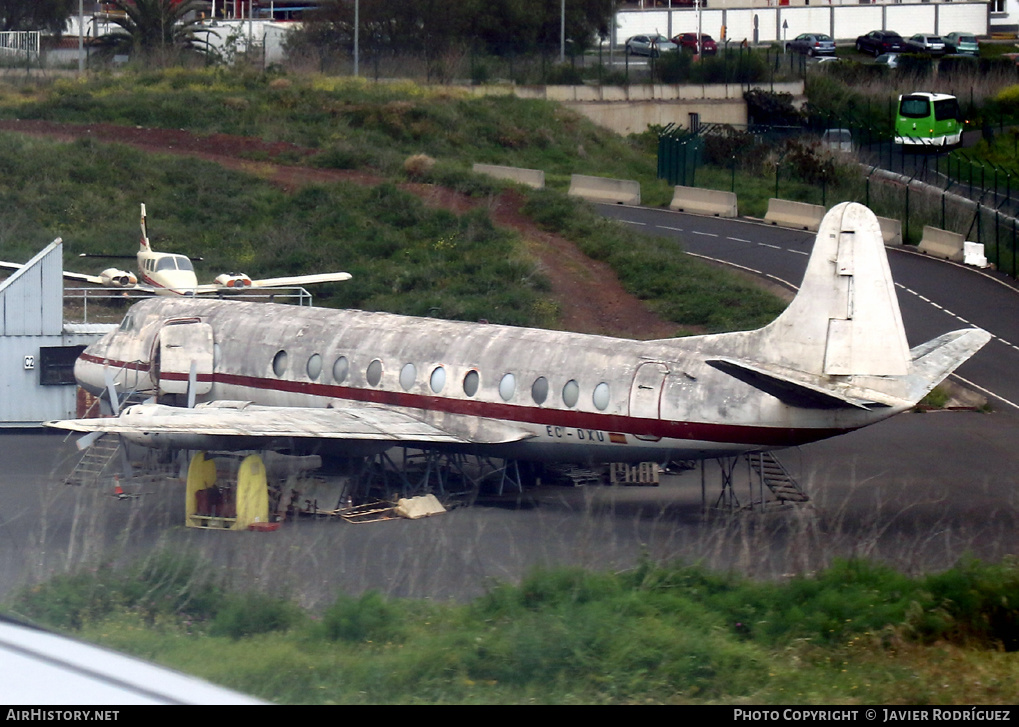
[[300, 280], [246, 420], [81, 277]]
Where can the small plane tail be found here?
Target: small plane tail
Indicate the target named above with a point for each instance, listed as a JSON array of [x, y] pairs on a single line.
[[841, 342], [145, 247]]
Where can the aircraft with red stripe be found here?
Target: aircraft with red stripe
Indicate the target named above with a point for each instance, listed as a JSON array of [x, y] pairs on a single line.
[[224, 374]]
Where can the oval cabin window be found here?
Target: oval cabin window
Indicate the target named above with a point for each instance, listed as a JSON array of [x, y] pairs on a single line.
[[507, 386], [279, 363], [340, 369], [601, 396], [408, 374], [571, 393], [539, 390], [314, 366], [471, 382], [374, 373], [438, 379]]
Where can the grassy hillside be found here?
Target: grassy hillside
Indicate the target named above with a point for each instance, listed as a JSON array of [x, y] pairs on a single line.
[[405, 257]]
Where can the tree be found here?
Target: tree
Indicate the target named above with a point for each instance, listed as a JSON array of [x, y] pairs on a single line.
[[48, 15], [159, 30]]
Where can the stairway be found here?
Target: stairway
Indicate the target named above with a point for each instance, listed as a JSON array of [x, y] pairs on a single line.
[[94, 462], [776, 477]]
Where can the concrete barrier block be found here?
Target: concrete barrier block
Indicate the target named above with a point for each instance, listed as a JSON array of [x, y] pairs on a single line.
[[603, 189], [891, 230], [586, 93], [800, 215], [973, 254], [704, 202], [531, 177], [941, 243]]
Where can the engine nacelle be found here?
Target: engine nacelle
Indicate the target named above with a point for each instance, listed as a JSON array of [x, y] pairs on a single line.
[[114, 278], [233, 281]]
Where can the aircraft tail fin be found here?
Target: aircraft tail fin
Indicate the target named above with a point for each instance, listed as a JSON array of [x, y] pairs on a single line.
[[145, 247], [845, 320], [841, 342]]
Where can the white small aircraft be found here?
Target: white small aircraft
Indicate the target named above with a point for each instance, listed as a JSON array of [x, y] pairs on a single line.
[[268, 376], [165, 273]]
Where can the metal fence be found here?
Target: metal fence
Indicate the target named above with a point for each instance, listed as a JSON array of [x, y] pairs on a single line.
[[949, 189], [20, 44]]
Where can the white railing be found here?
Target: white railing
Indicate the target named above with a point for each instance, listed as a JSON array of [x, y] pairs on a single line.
[[108, 305], [19, 43]]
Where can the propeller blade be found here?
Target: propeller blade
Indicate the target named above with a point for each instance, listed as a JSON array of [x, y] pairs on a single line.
[[88, 440]]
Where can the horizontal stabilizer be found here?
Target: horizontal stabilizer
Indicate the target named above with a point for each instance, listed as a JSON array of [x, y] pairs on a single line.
[[933, 361], [788, 390]]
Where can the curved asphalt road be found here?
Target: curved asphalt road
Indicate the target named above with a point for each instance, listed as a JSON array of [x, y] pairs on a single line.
[[935, 296]]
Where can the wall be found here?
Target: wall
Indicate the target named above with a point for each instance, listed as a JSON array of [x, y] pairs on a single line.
[[842, 22], [630, 109], [31, 317]]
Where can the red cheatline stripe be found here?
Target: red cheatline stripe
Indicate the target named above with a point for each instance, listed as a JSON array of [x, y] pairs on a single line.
[[654, 428]]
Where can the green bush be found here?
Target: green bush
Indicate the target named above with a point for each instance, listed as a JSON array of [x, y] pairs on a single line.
[[246, 614], [370, 618]]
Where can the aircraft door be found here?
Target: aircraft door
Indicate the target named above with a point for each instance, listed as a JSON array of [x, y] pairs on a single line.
[[646, 390], [180, 344]]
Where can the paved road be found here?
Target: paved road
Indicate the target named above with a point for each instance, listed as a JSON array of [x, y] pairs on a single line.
[[934, 296]]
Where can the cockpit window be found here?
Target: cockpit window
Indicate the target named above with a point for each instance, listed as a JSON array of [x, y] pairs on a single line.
[[128, 323], [174, 262]]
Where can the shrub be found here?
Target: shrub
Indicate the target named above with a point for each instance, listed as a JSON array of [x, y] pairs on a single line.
[[245, 614], [418, 165], [370, 618]]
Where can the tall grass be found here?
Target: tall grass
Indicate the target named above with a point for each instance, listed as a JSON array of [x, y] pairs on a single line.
[[672, 633]]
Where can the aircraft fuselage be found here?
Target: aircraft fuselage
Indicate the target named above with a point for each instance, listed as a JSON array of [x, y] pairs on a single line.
[[579, 397]]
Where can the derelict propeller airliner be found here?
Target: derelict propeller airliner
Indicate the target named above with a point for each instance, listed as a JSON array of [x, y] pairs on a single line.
[[265, 376]]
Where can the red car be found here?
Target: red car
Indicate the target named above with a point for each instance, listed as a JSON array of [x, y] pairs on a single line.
[[688, 41]]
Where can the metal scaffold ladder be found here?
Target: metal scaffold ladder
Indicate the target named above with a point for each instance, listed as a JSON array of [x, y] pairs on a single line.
[[94, 462], [777, 479]]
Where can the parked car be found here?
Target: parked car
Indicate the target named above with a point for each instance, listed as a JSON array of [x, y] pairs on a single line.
[[932, 45], [688, 41], [812, 44], [879, 41], [962, 43], [840, 140], [887, 59], [649, 45]]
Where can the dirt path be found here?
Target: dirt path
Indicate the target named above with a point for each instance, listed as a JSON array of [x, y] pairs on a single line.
[[588, 293]]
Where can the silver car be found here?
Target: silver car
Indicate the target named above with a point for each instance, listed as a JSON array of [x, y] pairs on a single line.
[[922, 43], [812, 44], [649, 45]]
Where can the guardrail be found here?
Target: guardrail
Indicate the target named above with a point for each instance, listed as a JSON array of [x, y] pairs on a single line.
[[111, 302]]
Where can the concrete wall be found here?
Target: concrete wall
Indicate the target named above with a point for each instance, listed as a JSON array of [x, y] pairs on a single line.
[[631, 109], [843, 22]]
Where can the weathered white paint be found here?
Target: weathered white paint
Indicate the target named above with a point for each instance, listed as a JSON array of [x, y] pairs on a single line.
[[834, 361]]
